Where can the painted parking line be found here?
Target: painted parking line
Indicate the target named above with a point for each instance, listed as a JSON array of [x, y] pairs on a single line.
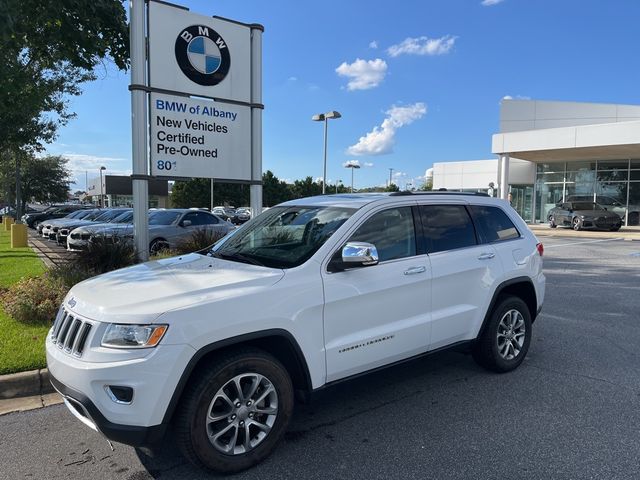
[[581, 243]]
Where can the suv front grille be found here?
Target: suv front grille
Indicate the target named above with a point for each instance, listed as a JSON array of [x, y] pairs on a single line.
[[70, 333]]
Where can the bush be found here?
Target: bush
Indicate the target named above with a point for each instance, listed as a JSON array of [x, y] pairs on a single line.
[[106, 253], [70, 273], [200, 239], [35, 300]]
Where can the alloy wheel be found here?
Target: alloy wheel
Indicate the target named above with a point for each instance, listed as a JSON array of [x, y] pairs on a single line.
[[242, 413], [511, 334]]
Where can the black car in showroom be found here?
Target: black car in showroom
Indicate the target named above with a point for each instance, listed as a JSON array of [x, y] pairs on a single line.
[[579, 215]]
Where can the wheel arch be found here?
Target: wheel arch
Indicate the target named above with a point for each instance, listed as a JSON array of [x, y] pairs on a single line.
[[521, 287], [277, 342]]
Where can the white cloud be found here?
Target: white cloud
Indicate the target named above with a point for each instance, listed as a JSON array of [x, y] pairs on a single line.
[[363, 74], [517, 97], [368, 164], [380, 140], [489, 3], [292, 79], [373, 44], [88, 166], [423, 46]]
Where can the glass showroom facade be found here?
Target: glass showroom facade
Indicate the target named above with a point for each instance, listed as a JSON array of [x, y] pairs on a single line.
[[615, 184]]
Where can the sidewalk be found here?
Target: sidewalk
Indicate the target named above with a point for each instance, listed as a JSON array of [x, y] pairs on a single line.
[[24, 391], [625, 233]]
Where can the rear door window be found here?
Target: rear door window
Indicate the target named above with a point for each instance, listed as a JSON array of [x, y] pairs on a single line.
[[447, 227], [493, 224]]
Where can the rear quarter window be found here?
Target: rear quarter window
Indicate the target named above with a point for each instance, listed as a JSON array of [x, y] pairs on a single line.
[[493, 224]]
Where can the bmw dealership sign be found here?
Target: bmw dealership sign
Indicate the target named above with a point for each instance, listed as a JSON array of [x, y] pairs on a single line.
[[199, 55]]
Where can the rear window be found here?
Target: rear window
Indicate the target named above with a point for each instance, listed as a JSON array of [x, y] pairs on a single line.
[[493, 224], [446, 227]]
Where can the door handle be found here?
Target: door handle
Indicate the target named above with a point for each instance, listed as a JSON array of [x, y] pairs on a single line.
[[415, 270], [486, 256]]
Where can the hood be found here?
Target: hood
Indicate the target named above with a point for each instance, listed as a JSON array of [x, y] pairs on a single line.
[[108, 228], [597, 213], [141, 293]]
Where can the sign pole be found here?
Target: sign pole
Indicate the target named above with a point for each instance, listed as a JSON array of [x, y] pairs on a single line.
[[139, 128], [255, 191]]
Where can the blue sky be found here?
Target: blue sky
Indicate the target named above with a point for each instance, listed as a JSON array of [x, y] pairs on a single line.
[[416, 82]]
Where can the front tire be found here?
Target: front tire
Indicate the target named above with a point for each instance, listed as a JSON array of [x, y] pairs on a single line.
[[505, 340], [552, 222], [234, 411], [576, 223]]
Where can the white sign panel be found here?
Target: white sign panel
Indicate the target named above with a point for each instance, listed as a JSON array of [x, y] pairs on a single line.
[[198, 55], [199, 138]]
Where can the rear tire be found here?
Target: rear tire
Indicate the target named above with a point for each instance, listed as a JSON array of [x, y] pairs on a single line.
[[552, 222], [227, 429], [505, 340]]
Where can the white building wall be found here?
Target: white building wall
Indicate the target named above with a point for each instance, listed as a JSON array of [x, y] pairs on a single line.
[[477, 174], [518, 115]]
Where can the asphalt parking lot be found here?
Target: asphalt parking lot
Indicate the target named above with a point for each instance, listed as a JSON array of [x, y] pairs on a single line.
[[569, 412]]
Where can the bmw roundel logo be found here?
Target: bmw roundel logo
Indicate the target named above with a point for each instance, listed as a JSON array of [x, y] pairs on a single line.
[[202, 55]]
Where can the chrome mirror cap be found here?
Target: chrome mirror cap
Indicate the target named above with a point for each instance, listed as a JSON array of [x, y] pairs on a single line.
[[360, 252]]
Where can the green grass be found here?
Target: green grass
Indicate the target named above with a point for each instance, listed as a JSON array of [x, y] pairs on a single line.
[[21, 346]]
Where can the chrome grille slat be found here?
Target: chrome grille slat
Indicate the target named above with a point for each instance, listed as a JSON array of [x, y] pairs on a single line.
[[70, 333], [71, 336]]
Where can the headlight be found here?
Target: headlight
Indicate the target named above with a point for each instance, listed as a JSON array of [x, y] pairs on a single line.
[[133, 336]]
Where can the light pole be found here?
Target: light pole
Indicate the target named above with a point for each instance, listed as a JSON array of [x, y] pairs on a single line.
[[323, 117], [352, 166], [103, 168], [390, 176], [337, 182]]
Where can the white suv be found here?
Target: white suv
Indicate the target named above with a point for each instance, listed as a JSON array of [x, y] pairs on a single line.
[[310, 292]]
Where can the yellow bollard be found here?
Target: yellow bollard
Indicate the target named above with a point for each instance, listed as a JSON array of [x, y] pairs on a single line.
[[7, 222], [18, 235]]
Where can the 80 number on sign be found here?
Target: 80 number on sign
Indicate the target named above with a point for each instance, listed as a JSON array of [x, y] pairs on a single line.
[[165, 165]]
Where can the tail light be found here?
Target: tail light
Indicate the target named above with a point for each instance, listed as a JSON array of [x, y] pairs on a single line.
[[540, 249]]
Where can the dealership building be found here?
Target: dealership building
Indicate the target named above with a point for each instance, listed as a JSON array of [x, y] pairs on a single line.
[[117, 191], [552, 152]]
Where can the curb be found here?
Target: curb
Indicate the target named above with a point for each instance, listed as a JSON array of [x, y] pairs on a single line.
[[25, 384]]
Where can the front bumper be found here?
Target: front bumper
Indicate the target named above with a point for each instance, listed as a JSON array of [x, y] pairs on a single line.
[[83, 382], [85, 410]]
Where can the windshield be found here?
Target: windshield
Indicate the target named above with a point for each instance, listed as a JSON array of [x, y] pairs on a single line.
[[108, 215], [586, 206], [126, 217], [163, 217], [283, 237], [77, 214]]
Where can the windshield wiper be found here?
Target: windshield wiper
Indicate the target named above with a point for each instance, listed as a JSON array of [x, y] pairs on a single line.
[[238, 256]]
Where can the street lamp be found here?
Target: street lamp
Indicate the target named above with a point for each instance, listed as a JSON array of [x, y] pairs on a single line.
[[323, 117], [337, 182], [351, 165], [102, 187]]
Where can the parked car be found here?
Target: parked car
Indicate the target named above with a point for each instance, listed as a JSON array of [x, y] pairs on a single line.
[[612, 205], [48, 228], [579, 215], [310, 293], [166, 229], [106, 215], [242, 215], [56, 211], [225, 213]]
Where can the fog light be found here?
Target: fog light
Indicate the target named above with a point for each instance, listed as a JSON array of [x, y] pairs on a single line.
[[122, 395]]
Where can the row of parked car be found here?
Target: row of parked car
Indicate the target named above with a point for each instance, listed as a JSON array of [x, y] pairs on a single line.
[[167, 227]]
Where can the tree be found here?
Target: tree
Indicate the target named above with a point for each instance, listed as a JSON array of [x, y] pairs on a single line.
[[44, 179], [274, 190], [197, 193], [392, 187], [48, 48], [306, 188], [427, 186]]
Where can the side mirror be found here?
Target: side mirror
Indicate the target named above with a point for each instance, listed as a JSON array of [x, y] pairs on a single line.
[[186, 223], [359, 253]]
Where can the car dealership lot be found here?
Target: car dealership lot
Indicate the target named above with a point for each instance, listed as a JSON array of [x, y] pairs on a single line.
[[570, 411]]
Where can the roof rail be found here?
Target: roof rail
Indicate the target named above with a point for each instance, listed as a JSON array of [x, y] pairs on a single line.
[[439, 192]]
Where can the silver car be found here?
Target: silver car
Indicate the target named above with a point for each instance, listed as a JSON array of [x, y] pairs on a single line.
[[167, 228]]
